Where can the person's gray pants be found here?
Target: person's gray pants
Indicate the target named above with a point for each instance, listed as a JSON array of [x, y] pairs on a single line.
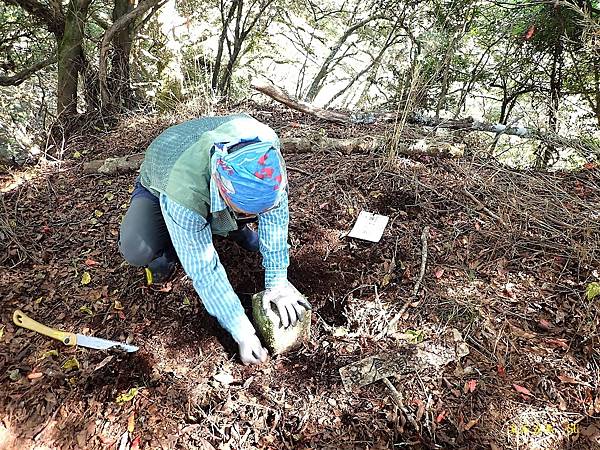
[[144, 237]]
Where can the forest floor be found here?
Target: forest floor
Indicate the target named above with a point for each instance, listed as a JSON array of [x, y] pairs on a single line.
[[503, 296]]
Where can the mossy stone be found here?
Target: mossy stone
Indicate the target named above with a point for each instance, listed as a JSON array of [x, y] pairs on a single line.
[[276, 338]]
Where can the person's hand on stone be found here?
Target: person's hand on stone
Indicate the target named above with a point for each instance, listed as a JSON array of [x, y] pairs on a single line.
[[289, 303]]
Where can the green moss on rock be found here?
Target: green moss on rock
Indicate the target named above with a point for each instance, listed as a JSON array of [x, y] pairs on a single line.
[[277, 339]]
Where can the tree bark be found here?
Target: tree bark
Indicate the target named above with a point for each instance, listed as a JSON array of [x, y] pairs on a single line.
[[120, 80], [52, 18], [70, 52], [225, 21], [121, 24], [549, 150], [283, 97], [365, 144]]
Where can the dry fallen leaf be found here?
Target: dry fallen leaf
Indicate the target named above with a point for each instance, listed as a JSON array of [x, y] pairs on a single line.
[[544, 324], [49, 353], [470, 386], [224, 378], [567, 379], [131, 422], [521, 389], [471, 424], [560, 343], [106, 440], [501, 370], [441, 416], [71, 364], [127, 396], [135, 444], [167, 287], [87, 310], [420, 410]]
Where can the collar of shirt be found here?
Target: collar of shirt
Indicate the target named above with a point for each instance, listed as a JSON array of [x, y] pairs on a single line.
[[216, 201]]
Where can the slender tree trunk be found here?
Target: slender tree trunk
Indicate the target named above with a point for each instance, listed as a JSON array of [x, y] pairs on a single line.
[[225, 20], [319, 80], [549, 151], [70, 61], [120, 80], [238, 39]]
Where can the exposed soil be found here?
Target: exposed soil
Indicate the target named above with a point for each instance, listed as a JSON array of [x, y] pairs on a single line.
[[515, 293]]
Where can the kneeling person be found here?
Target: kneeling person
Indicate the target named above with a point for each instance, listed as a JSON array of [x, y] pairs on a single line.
[[212, 176]]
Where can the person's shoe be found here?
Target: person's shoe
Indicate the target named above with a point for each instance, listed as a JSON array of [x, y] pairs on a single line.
[[246, 237], [160, 270]]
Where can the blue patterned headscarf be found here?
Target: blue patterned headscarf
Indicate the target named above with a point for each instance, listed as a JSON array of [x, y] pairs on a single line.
[[252, 178]]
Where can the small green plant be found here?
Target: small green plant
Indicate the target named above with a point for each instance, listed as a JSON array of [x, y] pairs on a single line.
[[592, 291]]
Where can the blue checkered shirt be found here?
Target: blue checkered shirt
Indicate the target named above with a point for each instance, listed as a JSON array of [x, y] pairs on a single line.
[[192, 238]]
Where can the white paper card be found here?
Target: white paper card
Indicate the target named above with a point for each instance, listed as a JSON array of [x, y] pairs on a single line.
[[369, 226]]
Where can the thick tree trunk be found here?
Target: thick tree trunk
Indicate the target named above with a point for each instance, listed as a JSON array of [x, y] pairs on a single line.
[[70, 63], [120, 25]]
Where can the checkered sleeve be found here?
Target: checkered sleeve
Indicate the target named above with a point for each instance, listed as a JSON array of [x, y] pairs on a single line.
[[273, 235], [192, 239]]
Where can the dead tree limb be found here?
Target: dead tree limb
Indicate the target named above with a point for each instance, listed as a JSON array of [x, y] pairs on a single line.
[[111, 166], [19, 77], [283, 97], [389, 329], [367, 144], [424, 236], [584, 146], [482, 207]]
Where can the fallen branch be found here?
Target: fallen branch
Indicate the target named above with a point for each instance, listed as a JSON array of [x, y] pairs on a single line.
[[424, 236], [585, 146], [283, 97], [397, 397], [484, 208], [365, 144], [111, 166]]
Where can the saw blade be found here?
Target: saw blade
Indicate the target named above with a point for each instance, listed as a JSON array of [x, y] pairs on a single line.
[[103, 344]]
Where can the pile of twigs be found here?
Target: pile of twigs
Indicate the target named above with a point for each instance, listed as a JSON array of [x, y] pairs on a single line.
[[550, 216]]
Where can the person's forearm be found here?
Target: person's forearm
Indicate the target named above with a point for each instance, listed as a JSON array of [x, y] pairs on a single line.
[[192, 238], [273, 242]]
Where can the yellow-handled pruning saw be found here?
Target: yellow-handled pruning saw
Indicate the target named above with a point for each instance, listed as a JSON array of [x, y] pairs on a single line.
[[70, 339]]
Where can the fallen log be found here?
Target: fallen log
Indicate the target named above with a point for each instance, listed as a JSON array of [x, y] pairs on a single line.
[[111, 166], [586, 147], [365, 144]]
